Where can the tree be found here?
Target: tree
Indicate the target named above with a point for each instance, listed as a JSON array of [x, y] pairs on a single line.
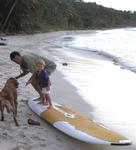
[[45, 15]]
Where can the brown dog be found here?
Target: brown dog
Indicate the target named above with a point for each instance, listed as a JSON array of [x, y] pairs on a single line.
[[8, 98]]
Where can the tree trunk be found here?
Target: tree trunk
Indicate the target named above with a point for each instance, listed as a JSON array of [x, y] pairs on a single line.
[[7, 18]]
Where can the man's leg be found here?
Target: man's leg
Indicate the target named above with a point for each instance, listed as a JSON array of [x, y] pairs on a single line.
[[36, 86]]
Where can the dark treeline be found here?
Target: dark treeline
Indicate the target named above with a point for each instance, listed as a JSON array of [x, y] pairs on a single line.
[[46, 15]]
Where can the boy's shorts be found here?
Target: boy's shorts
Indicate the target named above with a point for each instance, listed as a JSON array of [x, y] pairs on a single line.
[[45, 91]]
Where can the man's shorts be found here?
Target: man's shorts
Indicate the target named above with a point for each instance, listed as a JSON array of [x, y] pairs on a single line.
[[45, 91]]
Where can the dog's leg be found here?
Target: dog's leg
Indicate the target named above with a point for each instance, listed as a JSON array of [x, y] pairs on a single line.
[[14, 117], [15, 120], [2, 113], [14, 112], [1, 109], [2, 117], [16, 103], [16, 123]]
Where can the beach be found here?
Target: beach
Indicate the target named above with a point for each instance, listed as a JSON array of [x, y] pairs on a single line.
[[28, 137]]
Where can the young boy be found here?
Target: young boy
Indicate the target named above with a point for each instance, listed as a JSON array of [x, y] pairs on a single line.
[[43, 81]]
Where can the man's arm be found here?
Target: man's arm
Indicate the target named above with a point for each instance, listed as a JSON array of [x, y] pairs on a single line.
[[31, 78], [21, 75]]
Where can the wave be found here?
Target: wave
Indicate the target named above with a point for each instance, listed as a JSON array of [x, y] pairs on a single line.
[[65, 44], [125, 64]]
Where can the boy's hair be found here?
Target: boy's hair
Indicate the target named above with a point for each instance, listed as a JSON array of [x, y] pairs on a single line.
[[14, 54], [40, 61]]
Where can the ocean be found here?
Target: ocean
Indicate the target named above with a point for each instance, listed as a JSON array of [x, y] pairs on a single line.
[[102, 65], [117, 44]]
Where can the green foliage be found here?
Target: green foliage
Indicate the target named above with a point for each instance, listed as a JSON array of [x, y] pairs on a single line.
[[46, 15]]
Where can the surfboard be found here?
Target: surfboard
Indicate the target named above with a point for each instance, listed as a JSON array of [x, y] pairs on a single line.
[[77, 126]]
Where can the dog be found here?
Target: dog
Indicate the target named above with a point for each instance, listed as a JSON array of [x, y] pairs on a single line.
[[8, 99]]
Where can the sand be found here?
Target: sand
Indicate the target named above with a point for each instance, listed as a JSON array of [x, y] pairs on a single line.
[[28, 137]]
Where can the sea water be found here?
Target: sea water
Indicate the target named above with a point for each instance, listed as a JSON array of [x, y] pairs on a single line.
[[102, 66]]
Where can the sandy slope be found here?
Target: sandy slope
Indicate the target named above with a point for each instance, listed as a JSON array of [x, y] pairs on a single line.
[[27, 137]]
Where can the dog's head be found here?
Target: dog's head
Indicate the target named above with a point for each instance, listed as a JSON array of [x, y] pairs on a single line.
[[13, 81]]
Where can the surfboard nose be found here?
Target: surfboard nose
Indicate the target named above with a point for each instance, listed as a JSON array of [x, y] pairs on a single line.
[[122, 143]]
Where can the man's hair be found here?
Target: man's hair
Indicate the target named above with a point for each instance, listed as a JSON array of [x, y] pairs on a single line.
[[14, 54]]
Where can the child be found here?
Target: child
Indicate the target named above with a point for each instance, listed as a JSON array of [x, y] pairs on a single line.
[[43, 82]]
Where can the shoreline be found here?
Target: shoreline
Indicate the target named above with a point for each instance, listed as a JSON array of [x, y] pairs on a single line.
[[27, 137]]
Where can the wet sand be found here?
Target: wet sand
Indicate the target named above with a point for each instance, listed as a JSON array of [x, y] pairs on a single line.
[[27, 137]]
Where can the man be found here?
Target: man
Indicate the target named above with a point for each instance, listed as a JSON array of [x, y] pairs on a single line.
[[27, 64]]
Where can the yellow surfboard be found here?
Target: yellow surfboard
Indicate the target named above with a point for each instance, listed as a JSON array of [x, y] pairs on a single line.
[[76, 125]]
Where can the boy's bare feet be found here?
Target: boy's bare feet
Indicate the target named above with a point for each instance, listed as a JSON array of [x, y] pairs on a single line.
[[50, 106], [45, 102]]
